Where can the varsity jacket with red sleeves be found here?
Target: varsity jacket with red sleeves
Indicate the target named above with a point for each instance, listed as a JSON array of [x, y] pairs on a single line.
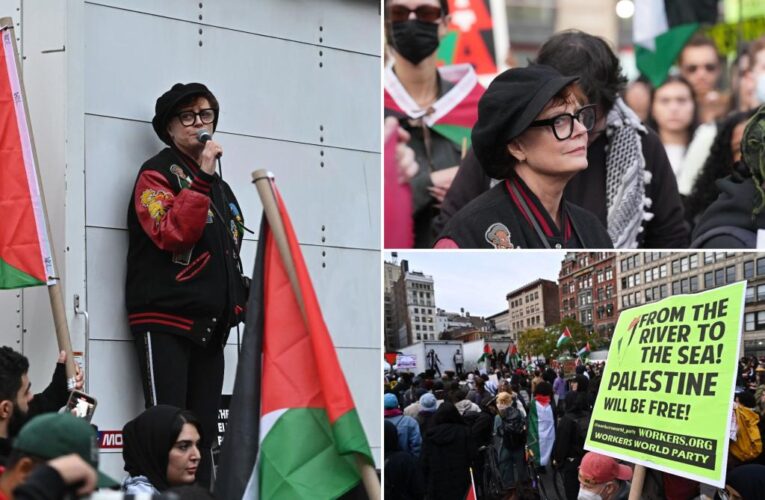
[[183, 272]]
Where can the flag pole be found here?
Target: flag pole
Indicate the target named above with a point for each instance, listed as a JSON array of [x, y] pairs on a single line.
[[54, 290], [636, 487], [263, 182]]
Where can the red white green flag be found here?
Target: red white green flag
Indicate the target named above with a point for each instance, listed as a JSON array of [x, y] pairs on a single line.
[[564, 338], [289, 391], [25, 255], [452, 115]]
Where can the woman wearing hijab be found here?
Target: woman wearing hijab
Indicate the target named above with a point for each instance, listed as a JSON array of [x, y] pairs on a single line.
[[531, 134], [447, 453], [184, 290], [161, 449]]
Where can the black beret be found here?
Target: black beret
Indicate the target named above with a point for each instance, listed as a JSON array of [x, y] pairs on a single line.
[[507, 108], [170, 99]]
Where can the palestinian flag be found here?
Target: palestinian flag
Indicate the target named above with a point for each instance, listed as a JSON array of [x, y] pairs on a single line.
[[25, 254], [532, 441], [486, 353], [452, 115], [293, 429], [662, 27], [564, 338], [471, 494], [511, 359], [470, 38], [584, 351]]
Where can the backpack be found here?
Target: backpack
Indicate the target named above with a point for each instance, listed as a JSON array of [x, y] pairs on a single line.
[[748, 443], [513, 428]]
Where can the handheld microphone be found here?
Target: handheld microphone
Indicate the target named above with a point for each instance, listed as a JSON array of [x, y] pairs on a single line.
[[203, 135]]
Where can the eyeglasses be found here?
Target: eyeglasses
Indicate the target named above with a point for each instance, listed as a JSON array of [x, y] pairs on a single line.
[[692, 68], [188, 118], [563, 124], [424, 13]]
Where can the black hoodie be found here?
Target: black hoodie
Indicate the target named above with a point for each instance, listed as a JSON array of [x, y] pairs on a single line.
[[447, 453], [728, 222]]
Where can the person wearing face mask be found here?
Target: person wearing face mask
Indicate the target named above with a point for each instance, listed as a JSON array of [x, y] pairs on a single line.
[[436, 106], [603, 478], [532, 134]]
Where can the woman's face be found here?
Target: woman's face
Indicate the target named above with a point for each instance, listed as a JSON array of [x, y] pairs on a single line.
[[185, 136], [673, 107], [184, 457], [544, 153]]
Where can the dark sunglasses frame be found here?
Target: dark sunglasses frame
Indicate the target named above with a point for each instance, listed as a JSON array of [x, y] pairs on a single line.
[[692, 68], [574, 116], [199, 114], [424, 13]]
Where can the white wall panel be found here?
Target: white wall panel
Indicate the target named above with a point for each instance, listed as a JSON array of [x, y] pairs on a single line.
[[286, 97], [10, 318], [116, 382], [342, 196], [107, 251], [346, 24]]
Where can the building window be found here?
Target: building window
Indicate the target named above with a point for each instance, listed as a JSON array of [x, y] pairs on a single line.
[[749, 294], [748, 269], [675, 266], [694, 283], [663, 291], [719, 277], [694, 261], [663, 271], [609, 273], [675, 288], [730, 274], [609, 291], [708, 282], [760, 266], [648, 295], [709, 258], [760, 292], [749, 322]]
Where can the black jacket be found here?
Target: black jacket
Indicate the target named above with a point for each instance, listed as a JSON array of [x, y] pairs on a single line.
[[194, 288], [497, 208], [447, 453], [728, 222], [587, 189]]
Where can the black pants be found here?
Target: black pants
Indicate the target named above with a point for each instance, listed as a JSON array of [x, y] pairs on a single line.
[[178, 372]]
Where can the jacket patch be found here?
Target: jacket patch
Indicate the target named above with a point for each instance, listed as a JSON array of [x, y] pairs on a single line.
[[498, 236], [193, 269], [155, 202], [210, 216]]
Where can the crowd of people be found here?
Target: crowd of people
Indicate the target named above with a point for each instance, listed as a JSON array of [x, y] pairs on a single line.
[[566, 151], [518, 432]]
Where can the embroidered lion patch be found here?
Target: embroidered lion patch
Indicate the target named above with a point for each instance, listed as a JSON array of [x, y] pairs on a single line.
[[155, 202], [498, 236], [180, 174]]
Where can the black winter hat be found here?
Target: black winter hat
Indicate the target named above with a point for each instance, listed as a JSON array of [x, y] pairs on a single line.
[[170, 99], [507, 108]]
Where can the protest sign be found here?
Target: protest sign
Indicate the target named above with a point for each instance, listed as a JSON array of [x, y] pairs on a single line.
[[666, 394]]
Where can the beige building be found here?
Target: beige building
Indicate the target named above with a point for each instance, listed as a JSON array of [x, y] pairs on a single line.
[[534, 305], [415, 306], [391, 274], [644, 277]]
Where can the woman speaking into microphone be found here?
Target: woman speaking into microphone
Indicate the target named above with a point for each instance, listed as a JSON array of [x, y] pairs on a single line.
[[184, 288]]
